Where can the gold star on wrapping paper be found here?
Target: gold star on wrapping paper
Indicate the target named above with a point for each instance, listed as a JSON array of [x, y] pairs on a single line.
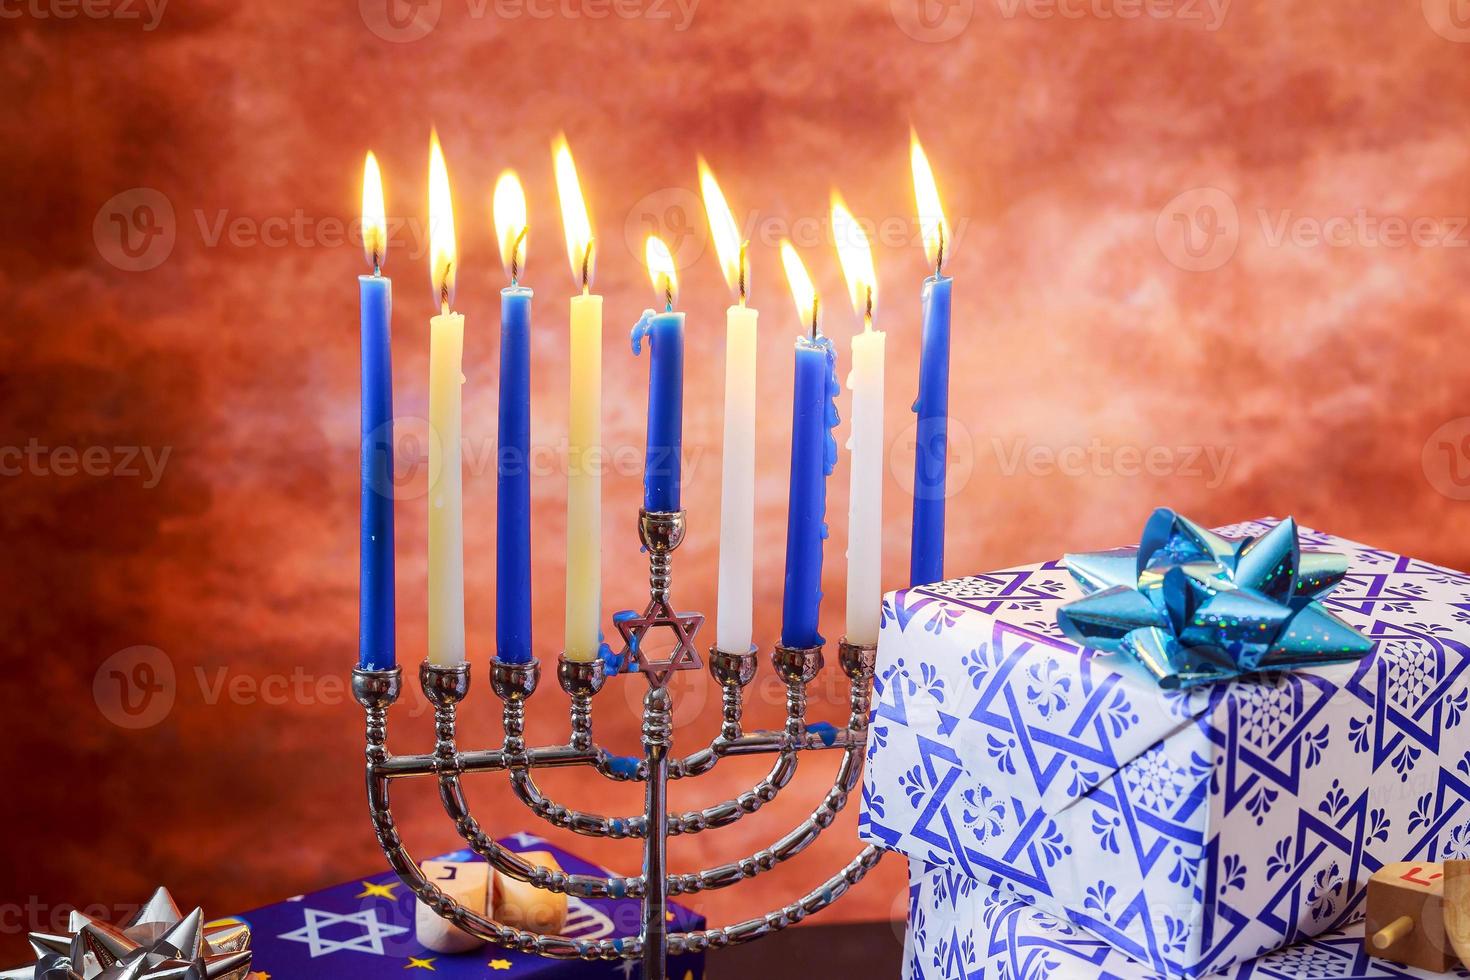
[[500, 964], [660, 615], [414, 963], [370, 890]]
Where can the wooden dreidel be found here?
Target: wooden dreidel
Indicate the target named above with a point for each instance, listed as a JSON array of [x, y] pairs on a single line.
[[468, 883], [1406, 916], [1457, 907], [525, 906]]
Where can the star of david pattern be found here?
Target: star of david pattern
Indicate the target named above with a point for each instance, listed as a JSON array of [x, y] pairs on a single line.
[[961, 930], [330, 932], [1192, 830]]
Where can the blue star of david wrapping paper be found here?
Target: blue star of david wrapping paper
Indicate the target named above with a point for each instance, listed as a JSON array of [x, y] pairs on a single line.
[[1190, 830], [962, 930], [364, 930]]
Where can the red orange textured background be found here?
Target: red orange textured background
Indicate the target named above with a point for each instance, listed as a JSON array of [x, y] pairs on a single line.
[[1213, 256]]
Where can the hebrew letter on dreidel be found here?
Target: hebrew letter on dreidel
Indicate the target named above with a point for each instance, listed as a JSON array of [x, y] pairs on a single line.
[[467, 883]]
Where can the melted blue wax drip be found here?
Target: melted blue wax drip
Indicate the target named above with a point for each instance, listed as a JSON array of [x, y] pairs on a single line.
[[642, 329], [612, 661], [829, 453], [829, 447], [623, 765], [824, 730], [616, 662]]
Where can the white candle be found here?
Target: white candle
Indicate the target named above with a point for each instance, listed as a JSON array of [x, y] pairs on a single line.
[[582, 639], [737, 485], [446, 508], [733, 622], [865, 500], [865, 494]]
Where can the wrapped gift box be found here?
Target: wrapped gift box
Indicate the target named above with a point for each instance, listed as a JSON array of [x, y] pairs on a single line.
[[1190, 830], [962, 930], [364, 930]]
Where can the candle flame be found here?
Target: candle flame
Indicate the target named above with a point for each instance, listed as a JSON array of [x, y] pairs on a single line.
[[802, 289], [442, 259], [574, 219], [509, 209], [931, 214], [728, 245], [661, 269], [374, 218], [856, 257]]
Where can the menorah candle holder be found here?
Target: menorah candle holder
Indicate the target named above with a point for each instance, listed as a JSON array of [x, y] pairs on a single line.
[[446, 686]]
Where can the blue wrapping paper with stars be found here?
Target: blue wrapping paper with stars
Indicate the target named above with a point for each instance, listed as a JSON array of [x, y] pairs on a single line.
[[364, 930]]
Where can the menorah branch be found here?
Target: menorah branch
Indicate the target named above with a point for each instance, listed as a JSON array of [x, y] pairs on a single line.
[[691, 822]]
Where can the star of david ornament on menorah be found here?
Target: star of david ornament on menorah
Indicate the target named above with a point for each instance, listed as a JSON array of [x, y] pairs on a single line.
[[446, 686]]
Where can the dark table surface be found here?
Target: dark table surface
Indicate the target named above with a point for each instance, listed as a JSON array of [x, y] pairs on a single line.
[[860, 949]]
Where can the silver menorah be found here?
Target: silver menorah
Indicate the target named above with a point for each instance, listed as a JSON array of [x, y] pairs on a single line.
[[514, 683]]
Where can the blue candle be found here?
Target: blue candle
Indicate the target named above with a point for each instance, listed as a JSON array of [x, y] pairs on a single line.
[[931, 440], [813, 455], [665, 335], [513, 481], [375, 640]]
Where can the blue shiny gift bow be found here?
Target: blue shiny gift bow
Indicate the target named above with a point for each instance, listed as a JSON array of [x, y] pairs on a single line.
[[1195, 608]]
